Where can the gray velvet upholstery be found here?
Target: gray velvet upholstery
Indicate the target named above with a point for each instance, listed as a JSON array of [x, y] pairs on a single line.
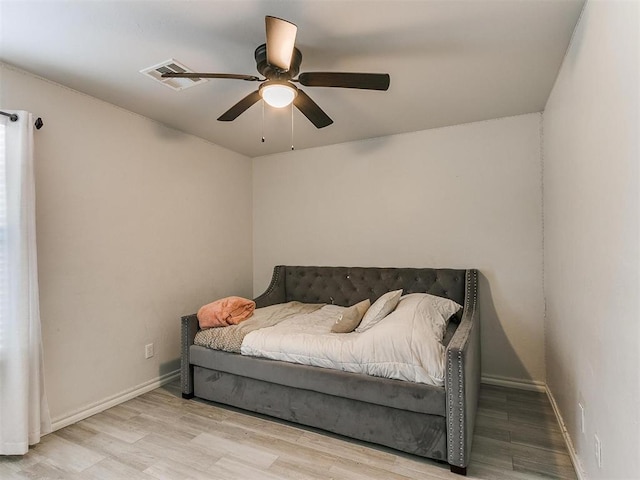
[[462, 378], [347, 286], [189, 330], [411, 432], [434, 422], [415, 397]]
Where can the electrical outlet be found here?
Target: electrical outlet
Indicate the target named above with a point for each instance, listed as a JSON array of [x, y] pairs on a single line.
[[582, 424], [148, 350], [598, 450]]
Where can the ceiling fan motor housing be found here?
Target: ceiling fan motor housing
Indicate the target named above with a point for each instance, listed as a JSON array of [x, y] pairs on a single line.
[[274, 73]]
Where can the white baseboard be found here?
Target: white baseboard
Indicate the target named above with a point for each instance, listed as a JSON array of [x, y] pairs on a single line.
[[519, 383], [536, 386], [577, 466], [97, 407]]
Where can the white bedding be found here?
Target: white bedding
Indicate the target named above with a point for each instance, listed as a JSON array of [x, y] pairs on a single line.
[[405, 345]]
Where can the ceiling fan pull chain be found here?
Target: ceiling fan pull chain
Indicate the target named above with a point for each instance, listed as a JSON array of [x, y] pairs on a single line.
[[262, 121], [292, 126]]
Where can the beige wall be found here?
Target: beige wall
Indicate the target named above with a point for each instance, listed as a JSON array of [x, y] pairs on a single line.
[[137, 224], [463, 196], [591, 188]]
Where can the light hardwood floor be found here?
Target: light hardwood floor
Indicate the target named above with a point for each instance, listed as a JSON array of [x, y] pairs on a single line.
[[161, 436]]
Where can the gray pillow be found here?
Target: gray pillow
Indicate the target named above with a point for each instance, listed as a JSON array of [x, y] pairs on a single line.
[[350, 318]]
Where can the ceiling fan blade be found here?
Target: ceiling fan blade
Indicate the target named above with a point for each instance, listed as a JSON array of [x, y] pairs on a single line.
[[366, 81], [234, 76], [239, 108], [281, 38], [311, 110]]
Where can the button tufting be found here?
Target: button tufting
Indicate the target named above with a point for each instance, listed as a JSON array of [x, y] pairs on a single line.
[[344, 288]]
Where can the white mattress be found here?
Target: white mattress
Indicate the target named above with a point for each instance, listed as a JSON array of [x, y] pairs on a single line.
[[406, 345]]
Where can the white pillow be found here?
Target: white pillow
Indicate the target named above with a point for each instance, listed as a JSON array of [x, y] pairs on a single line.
[[433, 309], [382, 307]]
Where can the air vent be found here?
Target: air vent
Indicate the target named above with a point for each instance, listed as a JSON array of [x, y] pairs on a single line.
[[172, 65]]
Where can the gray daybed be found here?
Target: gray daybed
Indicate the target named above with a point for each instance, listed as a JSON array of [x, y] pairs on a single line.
[[432, 422]]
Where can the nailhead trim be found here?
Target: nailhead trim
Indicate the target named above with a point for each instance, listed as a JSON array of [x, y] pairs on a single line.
[[456, 446], [184, 366], [275, 280]]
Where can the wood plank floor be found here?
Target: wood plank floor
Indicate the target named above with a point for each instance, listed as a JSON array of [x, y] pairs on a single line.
[[161, 436]]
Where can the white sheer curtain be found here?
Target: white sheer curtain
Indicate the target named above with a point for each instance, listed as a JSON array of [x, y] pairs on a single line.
[[24, 413]]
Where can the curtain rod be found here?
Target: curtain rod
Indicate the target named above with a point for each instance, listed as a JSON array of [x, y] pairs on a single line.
[[14, 118]]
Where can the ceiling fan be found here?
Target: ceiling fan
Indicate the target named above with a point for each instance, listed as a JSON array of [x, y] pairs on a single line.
[[279, 61]]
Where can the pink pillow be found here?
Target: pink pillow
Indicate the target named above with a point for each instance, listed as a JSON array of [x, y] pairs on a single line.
[[226, 311]]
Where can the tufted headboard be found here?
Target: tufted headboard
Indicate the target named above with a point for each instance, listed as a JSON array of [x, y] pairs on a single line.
[[346, 286]]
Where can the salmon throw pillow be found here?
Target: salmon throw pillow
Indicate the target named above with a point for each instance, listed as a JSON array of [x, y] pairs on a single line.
[[226, 311]]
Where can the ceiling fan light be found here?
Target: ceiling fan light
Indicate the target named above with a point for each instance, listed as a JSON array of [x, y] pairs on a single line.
[[278, 95]]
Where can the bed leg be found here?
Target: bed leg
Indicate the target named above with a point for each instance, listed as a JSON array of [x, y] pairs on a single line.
[[459, 470], [188, 396]]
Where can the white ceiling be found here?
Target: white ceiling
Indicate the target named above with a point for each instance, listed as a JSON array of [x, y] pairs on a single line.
[[450, 62]]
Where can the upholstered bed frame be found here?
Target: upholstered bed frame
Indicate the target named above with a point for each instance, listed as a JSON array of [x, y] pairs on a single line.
[[433, 422]]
